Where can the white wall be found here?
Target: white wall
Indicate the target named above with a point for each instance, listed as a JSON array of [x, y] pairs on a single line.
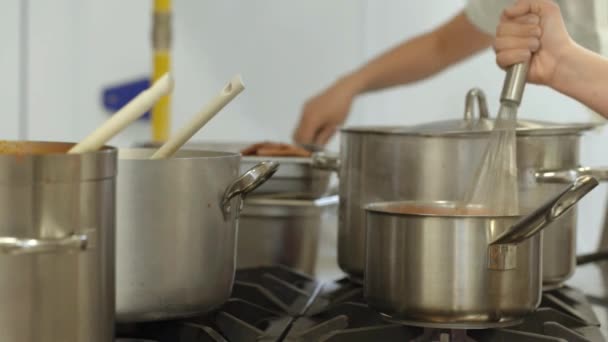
[[76, 49], [10, 19], [286, 51]]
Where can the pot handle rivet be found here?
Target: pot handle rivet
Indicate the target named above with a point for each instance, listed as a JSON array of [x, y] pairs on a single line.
[[502, 257]]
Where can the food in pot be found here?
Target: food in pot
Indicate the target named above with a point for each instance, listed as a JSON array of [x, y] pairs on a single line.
[[273, 149], [23, 148]]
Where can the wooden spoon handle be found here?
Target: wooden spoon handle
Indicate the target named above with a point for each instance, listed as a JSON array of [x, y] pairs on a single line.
[[126, 115], [230, 91]]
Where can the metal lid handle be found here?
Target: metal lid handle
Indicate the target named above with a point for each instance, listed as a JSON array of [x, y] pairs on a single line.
[[475, 95]]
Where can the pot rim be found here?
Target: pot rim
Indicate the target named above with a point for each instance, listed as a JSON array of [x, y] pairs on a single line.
[[390, 208], [403, 130], [62, 148], [143, 154]]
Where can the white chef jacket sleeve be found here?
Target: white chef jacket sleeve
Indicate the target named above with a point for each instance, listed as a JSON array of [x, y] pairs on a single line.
[[485, 14]]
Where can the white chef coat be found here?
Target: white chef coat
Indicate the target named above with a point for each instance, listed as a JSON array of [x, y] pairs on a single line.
[[586, 20]]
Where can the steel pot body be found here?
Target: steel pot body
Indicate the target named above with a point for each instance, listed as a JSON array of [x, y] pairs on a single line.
[[417, 163], [177, 225], [430, 264], [283, 230], [57, 244], [435, 270]]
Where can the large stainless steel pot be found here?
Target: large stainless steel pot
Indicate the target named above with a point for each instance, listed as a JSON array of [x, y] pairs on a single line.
[[177, 226], [56, 243], [436, 161], [283, 229], [440, 264]]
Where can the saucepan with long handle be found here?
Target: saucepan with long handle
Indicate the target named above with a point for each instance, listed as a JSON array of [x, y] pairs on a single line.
[[453, 266]]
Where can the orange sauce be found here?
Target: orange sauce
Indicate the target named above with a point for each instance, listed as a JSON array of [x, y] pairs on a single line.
[[24, 148]]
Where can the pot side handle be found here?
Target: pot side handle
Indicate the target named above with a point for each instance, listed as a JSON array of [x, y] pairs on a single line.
[[569, 175], [248, 182], [22, 246], [502, 251], [325, 161]]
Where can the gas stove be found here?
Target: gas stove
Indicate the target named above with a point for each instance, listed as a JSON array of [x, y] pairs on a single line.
[[278, 304]]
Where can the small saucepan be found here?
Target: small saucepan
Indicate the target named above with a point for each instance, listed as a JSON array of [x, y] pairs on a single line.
[[442, 264]]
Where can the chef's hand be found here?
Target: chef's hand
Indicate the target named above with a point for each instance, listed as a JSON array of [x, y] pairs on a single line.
[[533, 30], [325, 112]]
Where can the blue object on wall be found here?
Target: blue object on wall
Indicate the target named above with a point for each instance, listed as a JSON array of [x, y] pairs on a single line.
[[115, 97]]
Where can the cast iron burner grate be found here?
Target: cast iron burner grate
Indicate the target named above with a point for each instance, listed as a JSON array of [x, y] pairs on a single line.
[[277, 304], [565, 315], [262, 307]]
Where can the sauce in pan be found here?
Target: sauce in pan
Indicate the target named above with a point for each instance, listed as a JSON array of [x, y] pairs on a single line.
[[20, 148]]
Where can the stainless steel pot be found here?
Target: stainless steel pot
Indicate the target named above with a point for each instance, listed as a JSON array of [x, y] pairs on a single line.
[[436, 161], [177, 225], [56, 244], [428, 264], [296, 175], [283, 229]]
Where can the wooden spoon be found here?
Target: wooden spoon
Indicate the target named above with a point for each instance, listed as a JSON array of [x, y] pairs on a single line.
[[126, 115], [230, 91]]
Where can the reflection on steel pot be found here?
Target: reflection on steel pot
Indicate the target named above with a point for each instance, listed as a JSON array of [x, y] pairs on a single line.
[[448, 265], [57, 244], [435, 161], [177, 224], [283, 229]]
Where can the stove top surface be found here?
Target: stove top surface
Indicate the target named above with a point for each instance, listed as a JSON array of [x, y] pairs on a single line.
[[277, 304]]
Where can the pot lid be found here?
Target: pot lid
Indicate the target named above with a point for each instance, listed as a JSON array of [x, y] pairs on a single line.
[[481, 125], [470, 124]]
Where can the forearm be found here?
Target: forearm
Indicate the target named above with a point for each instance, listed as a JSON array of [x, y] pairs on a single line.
[[421, 57], [583, 75]]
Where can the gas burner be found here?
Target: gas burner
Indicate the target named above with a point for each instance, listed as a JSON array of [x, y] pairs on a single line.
[[348, 321], [277, 304]]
